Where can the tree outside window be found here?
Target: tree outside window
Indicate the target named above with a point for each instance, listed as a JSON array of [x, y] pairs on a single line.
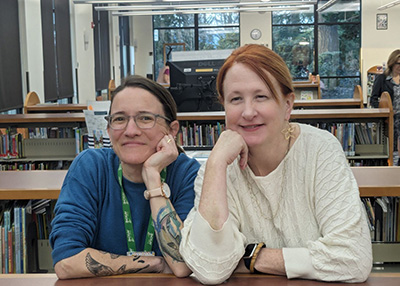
[[325, 42]]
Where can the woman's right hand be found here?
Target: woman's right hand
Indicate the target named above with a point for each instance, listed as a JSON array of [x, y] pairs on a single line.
[[229, 146]]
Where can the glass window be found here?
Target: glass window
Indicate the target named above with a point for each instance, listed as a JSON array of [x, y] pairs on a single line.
[[207, 31], [218, 38], [292, 17], [339, 50], [295, 44], [326, 42], [218, 19]]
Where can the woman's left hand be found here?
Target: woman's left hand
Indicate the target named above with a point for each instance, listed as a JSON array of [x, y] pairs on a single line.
[[166, 153]]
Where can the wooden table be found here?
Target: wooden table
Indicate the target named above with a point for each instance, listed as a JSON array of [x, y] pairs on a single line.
[[375, 279]]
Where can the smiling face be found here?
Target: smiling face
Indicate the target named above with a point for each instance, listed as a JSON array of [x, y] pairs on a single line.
[[132, 144], [251, 109]]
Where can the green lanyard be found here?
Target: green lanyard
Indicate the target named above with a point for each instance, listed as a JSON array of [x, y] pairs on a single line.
[[130, 237]]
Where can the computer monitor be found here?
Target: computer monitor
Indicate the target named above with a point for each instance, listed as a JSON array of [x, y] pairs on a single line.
[[192, 85]]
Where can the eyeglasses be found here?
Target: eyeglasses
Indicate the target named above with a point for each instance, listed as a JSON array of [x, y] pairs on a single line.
[[145, 120]]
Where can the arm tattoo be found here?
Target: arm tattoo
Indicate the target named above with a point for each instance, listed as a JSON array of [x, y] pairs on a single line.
[[98, 269], [168, 232]]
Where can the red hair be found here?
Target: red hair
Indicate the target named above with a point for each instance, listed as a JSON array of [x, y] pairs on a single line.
[[262, 61]]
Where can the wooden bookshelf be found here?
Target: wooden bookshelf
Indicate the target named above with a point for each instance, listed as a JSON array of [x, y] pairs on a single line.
[[300, 86], [42, 120], [378, 181], [333, 115], [355, 102], [30, 185], [46, 184], [55, 108]]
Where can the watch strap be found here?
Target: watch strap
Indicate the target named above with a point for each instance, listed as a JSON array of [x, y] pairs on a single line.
[[254, 257]]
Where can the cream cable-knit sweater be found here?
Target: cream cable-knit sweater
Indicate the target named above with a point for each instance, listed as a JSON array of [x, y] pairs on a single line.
[[309, 206]]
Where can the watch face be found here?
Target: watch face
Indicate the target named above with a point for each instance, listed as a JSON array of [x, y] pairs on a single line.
[[166, 190], [255, 34]]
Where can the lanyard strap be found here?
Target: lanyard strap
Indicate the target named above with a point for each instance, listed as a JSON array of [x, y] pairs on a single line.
[[130, 236]]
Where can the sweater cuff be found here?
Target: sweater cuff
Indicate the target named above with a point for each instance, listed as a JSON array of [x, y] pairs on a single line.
[[298, 263], [209, 240]]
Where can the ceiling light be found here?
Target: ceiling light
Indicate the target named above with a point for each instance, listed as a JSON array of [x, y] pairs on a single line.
[[110, 1], [389, 5], [326, 5], [201, 11]]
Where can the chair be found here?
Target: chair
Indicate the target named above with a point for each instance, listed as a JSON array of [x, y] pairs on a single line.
[[31, 99], [111, 88], [358, 94]]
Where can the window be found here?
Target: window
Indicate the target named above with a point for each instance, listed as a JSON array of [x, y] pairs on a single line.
[[208, 31], [326, 42]]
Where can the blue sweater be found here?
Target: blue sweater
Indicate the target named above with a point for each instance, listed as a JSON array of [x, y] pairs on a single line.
[[88, 212]]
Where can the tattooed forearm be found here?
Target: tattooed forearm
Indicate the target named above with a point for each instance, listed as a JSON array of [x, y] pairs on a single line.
[[168, 232], [99, 269]]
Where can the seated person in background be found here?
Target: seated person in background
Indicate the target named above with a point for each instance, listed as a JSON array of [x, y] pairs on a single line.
[[163, 76], [389, 81], [145, 180], [273, 197], [314, 79]]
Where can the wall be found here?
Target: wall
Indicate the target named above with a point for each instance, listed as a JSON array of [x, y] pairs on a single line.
[[83, 59], [142, 40], [256, 20]]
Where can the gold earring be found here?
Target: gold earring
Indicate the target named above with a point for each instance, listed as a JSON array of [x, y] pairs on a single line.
[[288, 131]]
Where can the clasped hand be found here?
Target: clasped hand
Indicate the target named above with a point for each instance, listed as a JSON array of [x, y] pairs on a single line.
[[229, 146], [166, 153]]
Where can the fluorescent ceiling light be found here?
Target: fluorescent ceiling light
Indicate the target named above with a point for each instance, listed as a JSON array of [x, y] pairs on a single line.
[[110, 1], [196, 6], [389, 5], [326, 5], [201, 11]]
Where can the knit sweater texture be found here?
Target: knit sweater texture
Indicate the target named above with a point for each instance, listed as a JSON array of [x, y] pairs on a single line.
[[309, 207]]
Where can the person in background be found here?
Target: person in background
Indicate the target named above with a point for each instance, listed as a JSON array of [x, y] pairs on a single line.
[[163, 76], [113, 201], [389, 81], [314, 79], [273, 197]]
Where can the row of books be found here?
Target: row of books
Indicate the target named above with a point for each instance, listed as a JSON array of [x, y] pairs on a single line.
[[22, 224], [367, 162], [51, 132], [383, 215], [10, 144], [352, 134], [26, 166], [200, 134]]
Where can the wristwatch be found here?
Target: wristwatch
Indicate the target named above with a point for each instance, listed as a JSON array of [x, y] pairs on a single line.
[[250, 255], [162, 191]]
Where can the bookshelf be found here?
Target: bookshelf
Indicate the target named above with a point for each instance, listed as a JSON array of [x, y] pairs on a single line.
[[355, 102], [382, 116], [307, 90], [60, 146]]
